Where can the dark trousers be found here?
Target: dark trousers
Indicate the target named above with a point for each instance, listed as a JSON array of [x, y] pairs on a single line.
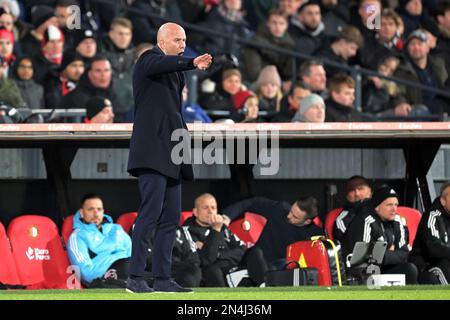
[[437, 272], [408, 269], [159, 212]]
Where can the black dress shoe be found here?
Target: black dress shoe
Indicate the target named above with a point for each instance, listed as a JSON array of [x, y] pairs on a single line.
[[138, 286], [169, 286]]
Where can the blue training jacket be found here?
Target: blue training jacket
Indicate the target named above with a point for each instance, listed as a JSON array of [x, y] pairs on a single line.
[[106, 246]]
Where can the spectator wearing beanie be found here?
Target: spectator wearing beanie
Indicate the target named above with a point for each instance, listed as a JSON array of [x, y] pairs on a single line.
[[312, 109], [50, 56], [378, 221], [245, 107], [32, 92], [220, 96], [85, 44], [268, 89], [65, 81], [99, 110], [412, 13], [42, 17]]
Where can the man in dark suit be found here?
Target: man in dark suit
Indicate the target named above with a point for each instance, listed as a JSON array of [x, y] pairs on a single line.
[[157, 85]]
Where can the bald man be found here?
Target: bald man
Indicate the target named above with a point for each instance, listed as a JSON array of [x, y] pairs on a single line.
[[158, 82]]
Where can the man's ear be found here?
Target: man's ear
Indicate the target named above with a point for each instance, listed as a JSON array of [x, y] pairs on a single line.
[[194, 212], [442, 200]]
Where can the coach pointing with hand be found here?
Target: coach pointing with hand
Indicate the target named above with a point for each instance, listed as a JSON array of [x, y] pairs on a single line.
[[158, 81]]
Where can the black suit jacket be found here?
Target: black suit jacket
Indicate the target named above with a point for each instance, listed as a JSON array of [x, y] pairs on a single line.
[[157, 85]]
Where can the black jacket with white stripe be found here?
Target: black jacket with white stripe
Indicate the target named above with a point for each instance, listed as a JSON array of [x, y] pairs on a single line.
[[349, 211], [432, 241], [367, 226]]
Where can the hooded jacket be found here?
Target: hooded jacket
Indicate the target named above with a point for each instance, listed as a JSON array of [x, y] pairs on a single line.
[[307, 41], [94, 250]]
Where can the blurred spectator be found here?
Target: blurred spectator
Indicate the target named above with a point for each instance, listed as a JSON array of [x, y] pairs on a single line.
[[290, 7], [307, 28], [32, 92], [312, 109], [229, 19], [99, 110], [6, 50], [314, 76], [421, 67], [96, 81], [273, 33], [85, 44], [65, 81], [99, 247], [246, 106], [257, 11], [290, 103], [140, 49], [49, 58], [443, 20], [348, 41], [63, 14], [42, 17], [145, 28], [268, 89], [192, 112], [220, 251], [335, 16], [220, 98], [9, 92], [339, 107], [412, 13], [116, 46]]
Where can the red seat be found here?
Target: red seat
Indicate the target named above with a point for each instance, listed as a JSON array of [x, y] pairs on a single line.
[[126, 220], [318, 222], [40, 258], [8, 270], [249, 228], [412, 217], [329, 222], [184, 216], [67, 228]]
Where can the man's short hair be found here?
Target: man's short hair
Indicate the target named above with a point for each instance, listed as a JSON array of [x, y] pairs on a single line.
[[354, 181], [339, 80], [310, 205], [391, 14], [204, 195], [277, 12], [96, 59], [305, 68], [306, 4], [122, 22], [89, 196], [441, 8], [351, 34], [298, 85], [444, 188], [67, 3]]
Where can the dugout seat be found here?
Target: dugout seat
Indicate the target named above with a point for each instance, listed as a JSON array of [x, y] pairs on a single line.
[[67, 228], [248, 228], [184, 216], [412, 217], [8, 270], [126, 220], [329, 222], [38, 252]]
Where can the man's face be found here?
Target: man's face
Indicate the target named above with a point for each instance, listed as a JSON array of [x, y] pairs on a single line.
[[174, 42], [311, 17], [330, 3], [360, 192], [121, 36], [418, 49], [100, 74], [232, 84], [445, 199], [277, 26], [87, 48], [297, 95], [387, 209], [74, 70], [315, 113], [344, 96], [297, 217], [92, 211], [25, 69], [444, 20], [388, 28], [317, 79], [104, 116], [414, 7], [349, 50], [235, 5], [53, 51], [6, 48], [205, 208], [290, 7], [62, 14], [7, 21]]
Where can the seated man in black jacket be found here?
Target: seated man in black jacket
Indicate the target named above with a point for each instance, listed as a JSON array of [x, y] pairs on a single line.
[[431, 249], [378, 221], [220, 251], [285, 225]]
